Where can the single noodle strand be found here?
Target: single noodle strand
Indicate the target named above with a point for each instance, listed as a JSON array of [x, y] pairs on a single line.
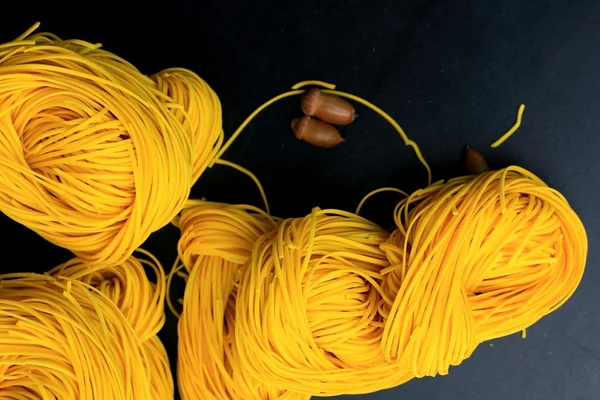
[[512, 130]]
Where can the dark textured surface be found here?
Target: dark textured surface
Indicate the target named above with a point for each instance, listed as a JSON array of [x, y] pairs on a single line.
[[451, 72]]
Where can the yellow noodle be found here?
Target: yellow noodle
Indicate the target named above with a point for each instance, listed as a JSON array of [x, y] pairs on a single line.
[[212, 381], [84, 333], [512, 130], [374, 192], [95, 156]]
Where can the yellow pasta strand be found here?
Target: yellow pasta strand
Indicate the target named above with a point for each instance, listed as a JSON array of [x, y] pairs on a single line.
[[84, 333], [512, 130], [374, 192], [95, 156]]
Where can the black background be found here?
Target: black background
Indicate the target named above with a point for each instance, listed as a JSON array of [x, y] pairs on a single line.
[[451, 72]]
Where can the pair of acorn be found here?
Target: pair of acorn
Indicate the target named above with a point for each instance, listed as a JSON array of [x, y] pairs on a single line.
[[322, 111]]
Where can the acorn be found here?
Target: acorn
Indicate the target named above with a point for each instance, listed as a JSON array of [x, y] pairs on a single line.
[[316, 132], [475, 162], [327, 107]]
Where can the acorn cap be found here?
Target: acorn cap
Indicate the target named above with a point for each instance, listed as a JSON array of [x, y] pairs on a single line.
[[309, 100], [299, 126]]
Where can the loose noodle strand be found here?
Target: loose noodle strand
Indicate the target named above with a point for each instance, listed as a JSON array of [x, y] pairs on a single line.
[[512, 130]]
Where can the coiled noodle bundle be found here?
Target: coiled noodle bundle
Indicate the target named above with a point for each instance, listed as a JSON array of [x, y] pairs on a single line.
[[80, 333], [474, 259], [95, 156], [332, 304]]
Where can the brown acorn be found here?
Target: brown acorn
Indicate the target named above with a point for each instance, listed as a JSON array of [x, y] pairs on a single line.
[[327, 107], [315, 132], [475, 162]]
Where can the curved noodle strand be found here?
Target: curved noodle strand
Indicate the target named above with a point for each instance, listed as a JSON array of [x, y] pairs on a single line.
[[512, 130], [376, 191]]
